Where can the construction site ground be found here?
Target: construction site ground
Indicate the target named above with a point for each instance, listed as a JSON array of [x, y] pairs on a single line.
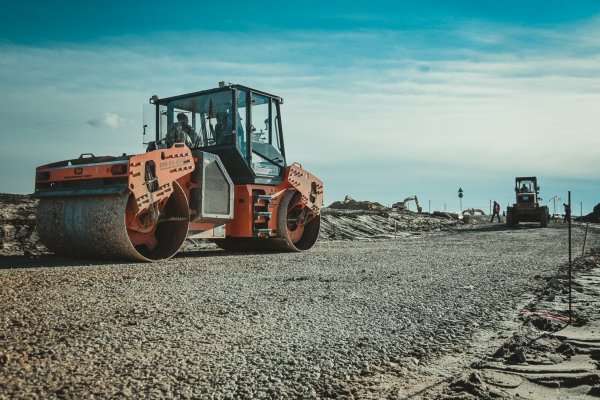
[[387, 305]]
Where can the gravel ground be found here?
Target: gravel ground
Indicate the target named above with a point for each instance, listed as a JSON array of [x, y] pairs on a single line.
[[545, 357], [348, 319]]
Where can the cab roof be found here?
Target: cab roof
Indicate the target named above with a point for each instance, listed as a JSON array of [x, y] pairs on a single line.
[[222, 87]]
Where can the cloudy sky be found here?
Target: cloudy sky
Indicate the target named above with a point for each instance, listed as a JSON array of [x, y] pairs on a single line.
[[383, 99]]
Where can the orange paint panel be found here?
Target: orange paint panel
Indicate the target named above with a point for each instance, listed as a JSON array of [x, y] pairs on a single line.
[[72, 173], [200, 226], [169, 165], [308, 185], [241, 225], [202, 230]]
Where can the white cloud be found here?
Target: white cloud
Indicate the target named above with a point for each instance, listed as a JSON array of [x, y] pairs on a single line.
[[108, 120]]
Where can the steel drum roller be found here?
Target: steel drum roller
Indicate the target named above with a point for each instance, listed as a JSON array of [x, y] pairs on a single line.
[[95, 226]]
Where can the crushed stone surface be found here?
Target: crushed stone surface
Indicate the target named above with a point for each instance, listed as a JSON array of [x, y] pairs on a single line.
[[348, 319], [545, 357], [17, 226]]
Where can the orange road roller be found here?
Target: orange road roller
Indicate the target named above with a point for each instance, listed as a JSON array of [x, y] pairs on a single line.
[[216, 169]]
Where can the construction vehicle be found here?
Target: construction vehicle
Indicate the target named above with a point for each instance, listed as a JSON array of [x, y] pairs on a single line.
[[231, 185], [403, 205], [527, 207]]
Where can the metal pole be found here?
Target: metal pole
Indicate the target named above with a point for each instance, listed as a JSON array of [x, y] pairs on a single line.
[[460, 204], [490, 206], [584, 240], [581, 211], [444, 206], [570, 263], [429, 206]]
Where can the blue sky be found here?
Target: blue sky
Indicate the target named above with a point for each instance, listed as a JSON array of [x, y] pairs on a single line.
[[383, 99]]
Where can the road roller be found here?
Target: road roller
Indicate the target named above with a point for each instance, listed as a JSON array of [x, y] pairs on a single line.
[[214, 168]]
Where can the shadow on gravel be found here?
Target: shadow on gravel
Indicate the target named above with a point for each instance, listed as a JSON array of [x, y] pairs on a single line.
[[49, 261], [221, 253], [52, 261], [499, 228]]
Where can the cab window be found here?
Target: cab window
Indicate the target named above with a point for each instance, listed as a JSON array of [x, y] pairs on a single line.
[[266, 150]]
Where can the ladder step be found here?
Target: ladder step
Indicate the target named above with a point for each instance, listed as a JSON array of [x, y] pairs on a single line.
[[262, 231], [261, 215], [264, 197]]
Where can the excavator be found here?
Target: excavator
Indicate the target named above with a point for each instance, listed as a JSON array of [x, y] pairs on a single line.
[[402, 205], [224, 178]]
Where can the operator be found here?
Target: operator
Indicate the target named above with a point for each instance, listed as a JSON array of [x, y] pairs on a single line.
[[567, 212], [225, 133], [182, 132], [496, 211]]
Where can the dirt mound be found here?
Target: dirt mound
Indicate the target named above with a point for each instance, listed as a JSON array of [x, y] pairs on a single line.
[[594, 216], [17, 226], [472, 386], [369, 224], [350, 204]]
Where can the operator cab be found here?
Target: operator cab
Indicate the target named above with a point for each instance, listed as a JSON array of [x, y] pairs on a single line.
[[527, 190], [239, 124]]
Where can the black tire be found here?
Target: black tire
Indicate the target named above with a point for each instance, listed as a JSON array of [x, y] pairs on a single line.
[[286, 230], [285, 240], [543, 217], [509, 217]]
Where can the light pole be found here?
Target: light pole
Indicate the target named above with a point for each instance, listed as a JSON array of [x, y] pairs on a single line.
[[460, 196], [554, 201]]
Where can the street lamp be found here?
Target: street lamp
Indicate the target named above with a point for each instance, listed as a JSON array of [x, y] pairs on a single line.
[[554, 201]]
